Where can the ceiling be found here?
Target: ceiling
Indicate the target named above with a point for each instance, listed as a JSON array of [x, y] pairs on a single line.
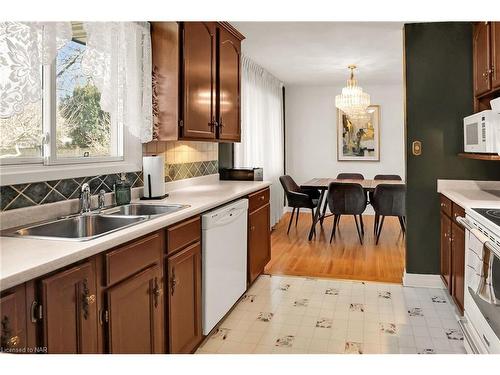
[[318, 53]]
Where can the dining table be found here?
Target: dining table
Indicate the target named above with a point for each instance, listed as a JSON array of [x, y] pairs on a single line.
[[322, 184]]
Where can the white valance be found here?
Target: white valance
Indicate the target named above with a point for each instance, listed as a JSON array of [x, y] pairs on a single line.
[[117, 57]]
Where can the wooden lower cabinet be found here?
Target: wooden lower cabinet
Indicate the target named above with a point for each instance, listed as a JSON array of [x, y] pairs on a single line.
[[69, 310], [13, 320], [453, 250], [458, 266], [259, 241], [136, 314], [184, 300], [124, 301], [446, 250]]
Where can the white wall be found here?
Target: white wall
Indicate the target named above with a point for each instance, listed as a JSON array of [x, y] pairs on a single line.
[[311, 132]]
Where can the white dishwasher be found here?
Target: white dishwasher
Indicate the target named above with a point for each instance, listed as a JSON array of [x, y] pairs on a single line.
[[224, 259]]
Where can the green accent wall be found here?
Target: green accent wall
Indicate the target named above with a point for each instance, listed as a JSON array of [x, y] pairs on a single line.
[[439, 94]]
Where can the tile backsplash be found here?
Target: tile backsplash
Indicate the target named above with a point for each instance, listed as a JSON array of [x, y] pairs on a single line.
[[185, 159], [37, 193], [182, 160]]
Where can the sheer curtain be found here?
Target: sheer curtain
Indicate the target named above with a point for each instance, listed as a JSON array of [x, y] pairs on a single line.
[[262, 129], [117, 58]]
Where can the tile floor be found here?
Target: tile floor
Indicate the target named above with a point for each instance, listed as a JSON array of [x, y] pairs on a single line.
[[306, 315]]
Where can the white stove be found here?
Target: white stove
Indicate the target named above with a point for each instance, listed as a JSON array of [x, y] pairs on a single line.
[[481, 322]]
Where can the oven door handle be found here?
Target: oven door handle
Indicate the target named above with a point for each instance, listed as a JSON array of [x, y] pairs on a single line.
[[467, 225]]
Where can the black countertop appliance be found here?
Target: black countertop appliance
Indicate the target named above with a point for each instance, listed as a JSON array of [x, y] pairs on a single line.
[[242, 174]]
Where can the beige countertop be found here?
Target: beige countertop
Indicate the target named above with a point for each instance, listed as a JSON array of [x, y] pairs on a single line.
[[23, 259], [471, 194]]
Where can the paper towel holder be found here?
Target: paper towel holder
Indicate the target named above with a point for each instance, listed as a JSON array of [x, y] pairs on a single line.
[[149, 197], [153, 167]]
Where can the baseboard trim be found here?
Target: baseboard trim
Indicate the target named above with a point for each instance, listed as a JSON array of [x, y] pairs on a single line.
[[422, 280]]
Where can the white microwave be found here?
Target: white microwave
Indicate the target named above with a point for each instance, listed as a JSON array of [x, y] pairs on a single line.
[[482, 132]]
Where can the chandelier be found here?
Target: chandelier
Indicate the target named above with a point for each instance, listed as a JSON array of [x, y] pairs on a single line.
[[353, 101]]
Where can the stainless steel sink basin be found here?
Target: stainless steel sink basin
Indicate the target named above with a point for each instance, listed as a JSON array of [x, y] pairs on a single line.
[[138, 209], [78, 228]]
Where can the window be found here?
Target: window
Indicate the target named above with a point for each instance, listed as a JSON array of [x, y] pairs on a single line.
[[83, 128], [20, 125], [73, 93]]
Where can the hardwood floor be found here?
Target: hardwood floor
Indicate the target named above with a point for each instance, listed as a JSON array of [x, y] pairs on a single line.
[[345, 257]]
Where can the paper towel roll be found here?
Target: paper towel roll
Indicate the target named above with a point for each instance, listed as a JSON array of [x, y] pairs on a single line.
[[154, 176]]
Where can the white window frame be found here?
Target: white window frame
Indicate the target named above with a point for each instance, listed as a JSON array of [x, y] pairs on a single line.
[[50, 127], [49, 167]]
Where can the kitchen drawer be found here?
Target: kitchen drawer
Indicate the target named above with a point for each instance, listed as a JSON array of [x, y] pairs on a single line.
[[258, 199], [446, 205], [456, 212], [183, 234], [133, 257]]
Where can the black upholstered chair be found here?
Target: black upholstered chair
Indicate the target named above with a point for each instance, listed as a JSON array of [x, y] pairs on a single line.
[[344, 176], [350, 176], [298, 198], [384, 177], [388, 177], [389, 200], [346, 199]]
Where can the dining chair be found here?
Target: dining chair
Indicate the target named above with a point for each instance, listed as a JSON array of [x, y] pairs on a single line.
[[350, 176], [298, 198], [343, 176], [346, 199], [394, 177], [389, 200]]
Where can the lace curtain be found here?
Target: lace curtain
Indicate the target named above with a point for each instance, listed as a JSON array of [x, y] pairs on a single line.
[[262, 138], [117, 58]]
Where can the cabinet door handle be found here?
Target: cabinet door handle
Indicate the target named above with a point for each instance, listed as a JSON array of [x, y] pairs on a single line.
[[7, 340], [252, 228], [213, 124], [157, 290], [33, 307], [13, 341], [87, 299], [173, 282]]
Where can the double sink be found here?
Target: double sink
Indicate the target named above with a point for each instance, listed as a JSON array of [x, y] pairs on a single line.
[[83, 227]]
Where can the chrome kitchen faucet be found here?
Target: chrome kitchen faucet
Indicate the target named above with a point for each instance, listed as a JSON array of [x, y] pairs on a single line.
[[85, 199]]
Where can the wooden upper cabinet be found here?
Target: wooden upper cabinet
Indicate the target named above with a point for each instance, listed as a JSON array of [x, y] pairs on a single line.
[[165, 60], [199, 58], [196, 81], [136, 311], [228, 101], [13, 320], [69, 310], [184, 300], [481, 58], [495, 55]]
